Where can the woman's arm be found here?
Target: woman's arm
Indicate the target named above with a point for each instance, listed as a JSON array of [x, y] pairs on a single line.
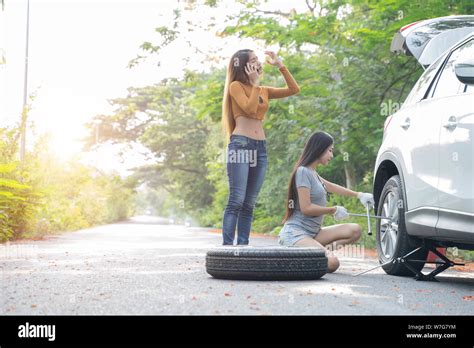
[[291, 89], [337, 189], [248, 104], [308, 208]]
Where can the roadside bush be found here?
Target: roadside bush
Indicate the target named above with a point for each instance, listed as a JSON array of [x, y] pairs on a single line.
[[46, 195]]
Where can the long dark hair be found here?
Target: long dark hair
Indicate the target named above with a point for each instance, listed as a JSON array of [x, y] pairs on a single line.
[[235, 72], [316, 145]]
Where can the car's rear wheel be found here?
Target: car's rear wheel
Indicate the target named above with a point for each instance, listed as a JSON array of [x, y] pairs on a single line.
[[392, 238]]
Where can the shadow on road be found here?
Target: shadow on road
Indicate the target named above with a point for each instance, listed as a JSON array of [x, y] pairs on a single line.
[[459, 281]]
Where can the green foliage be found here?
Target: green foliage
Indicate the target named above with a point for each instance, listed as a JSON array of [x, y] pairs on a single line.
[[14, 204], [163, 119], [45, 195], [17, 196], [76, 196]]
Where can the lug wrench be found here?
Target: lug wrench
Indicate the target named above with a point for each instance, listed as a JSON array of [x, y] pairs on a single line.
[[372, 216], [369, 232]]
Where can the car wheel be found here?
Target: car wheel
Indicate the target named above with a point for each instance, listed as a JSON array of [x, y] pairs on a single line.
[[266, 263], [392, 238]]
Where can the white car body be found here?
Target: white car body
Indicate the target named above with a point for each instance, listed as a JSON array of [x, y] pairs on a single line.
[[429, 141]]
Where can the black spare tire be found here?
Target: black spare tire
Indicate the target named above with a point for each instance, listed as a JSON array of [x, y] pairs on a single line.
[[266, 263]]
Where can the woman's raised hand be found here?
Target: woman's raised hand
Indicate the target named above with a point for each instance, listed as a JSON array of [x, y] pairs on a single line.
[[252, 72], [274, 59]]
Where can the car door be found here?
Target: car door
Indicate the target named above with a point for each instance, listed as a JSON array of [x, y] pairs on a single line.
[[417, 137], [453, 103], [418, 141]]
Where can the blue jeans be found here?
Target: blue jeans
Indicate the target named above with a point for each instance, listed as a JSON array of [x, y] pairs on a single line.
[[246, 166]]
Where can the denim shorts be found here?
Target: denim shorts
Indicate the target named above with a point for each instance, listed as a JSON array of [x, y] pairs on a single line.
[[289, 235]]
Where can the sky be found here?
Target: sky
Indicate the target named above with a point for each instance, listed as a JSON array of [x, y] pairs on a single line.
[[78, 56]]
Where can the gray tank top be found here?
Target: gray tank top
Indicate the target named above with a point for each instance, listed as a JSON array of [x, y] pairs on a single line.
[[306, 177]]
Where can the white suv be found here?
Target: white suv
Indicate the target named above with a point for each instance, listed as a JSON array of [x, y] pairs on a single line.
[[424, 177]]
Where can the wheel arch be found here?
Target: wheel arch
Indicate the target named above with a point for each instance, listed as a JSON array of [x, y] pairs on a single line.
[[388, 167]]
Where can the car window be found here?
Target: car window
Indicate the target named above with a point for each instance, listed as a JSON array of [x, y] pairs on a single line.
[[448, 84], [419, 90]]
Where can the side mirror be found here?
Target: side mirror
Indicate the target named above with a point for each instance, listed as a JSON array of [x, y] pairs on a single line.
[[465, 71]]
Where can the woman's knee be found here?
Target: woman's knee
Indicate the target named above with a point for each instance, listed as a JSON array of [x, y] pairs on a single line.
[[356, 231], [235, 203], [333, 264], [248, 206]]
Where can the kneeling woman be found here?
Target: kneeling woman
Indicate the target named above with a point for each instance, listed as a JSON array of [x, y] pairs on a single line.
[[306, 205]]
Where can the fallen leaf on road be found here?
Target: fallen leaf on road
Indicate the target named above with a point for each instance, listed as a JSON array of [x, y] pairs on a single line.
[[33, 306], [227, 294], [468, 298], [354, 303]]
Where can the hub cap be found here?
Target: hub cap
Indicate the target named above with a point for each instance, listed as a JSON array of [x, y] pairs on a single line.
[[389, 229]]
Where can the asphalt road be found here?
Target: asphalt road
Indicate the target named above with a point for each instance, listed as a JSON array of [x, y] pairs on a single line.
[[143, 267]]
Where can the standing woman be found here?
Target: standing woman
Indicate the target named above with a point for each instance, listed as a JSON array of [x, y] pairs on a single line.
[[306, 203], [244, 105]]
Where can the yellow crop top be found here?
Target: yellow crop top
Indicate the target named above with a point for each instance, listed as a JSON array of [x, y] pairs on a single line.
[[252, 101]]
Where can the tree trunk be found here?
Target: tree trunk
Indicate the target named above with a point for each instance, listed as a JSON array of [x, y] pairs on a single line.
[[350, 175]]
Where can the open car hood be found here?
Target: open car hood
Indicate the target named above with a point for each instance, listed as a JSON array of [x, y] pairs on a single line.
[[426, 40]]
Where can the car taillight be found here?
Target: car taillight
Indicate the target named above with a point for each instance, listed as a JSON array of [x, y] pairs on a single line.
[[408, 26]]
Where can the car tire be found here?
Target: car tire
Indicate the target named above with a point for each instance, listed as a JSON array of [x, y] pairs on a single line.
[[266, 263], [393, 241]]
